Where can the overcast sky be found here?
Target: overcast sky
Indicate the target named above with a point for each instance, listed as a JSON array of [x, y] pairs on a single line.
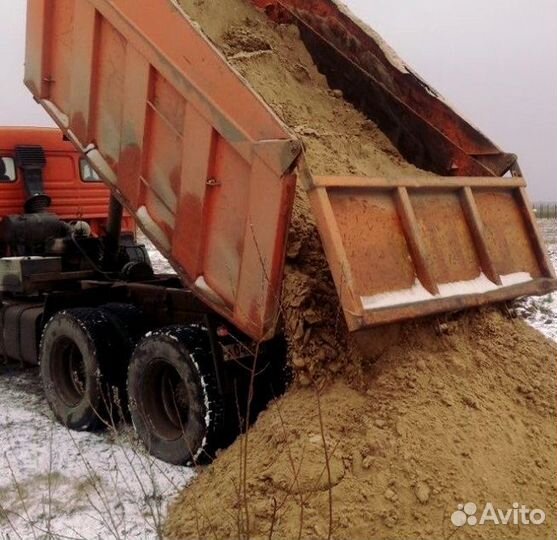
[[495, 61]]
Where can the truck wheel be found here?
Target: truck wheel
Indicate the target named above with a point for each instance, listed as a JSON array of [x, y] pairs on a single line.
[[175, 406], [79, 349]]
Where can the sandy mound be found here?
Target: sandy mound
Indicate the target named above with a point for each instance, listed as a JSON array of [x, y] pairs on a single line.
[[468, 417]]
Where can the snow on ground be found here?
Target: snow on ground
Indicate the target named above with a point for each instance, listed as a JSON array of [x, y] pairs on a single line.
[[60, 484], [541, 313], [55, 483], [158, 262]]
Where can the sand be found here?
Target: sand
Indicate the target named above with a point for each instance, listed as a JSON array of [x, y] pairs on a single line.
[[467, 417], [338, 139], [434, 422]]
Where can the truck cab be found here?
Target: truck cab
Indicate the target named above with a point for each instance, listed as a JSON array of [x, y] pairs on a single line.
[[33, 158]]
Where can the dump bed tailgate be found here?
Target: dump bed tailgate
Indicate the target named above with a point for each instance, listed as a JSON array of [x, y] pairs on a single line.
[[408, 247], [405, 248]]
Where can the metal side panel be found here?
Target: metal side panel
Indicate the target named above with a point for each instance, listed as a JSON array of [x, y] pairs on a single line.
[[400, 249], [199, 160]]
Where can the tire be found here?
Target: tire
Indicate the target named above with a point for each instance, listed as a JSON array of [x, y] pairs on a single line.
[[79, 356], [175, 406]]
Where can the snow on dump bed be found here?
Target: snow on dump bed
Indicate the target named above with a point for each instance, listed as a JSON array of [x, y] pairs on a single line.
[[418, 293]]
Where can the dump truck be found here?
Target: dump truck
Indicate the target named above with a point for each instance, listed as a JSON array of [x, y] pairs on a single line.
[[209, 172]]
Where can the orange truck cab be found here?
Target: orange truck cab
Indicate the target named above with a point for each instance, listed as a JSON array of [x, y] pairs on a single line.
[[34, 160]]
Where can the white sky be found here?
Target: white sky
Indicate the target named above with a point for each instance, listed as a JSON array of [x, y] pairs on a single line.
[[495, 60]]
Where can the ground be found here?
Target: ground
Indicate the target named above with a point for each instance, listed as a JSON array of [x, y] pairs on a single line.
[[542, 312], [55, 483], [60, 484]]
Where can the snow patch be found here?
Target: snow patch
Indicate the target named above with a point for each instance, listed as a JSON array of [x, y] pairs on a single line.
[[474, 286], [418, 293], [204, 287], [482, 284], [152, 228], [101, 166], [74, 484], [515, 279], [541, 311], [62, 118], [208, 410]]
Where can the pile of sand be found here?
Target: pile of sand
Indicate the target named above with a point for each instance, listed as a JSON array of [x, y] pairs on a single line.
[[338, 138], [467, 417], [435, 422]]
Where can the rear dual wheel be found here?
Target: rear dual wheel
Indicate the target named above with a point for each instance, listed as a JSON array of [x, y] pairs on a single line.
[[83, 358], [174, 402], [171, 391]]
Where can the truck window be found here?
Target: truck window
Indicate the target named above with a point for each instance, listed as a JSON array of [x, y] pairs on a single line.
[[88, 174], [7, 170]]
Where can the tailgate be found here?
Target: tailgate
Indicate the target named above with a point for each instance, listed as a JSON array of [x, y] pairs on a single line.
[[400, 249]]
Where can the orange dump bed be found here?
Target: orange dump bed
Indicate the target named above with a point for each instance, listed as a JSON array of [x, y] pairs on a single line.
[[209, 170]]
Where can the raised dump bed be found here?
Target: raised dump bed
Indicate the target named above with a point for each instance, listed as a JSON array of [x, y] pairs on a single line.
[[209, 170]]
